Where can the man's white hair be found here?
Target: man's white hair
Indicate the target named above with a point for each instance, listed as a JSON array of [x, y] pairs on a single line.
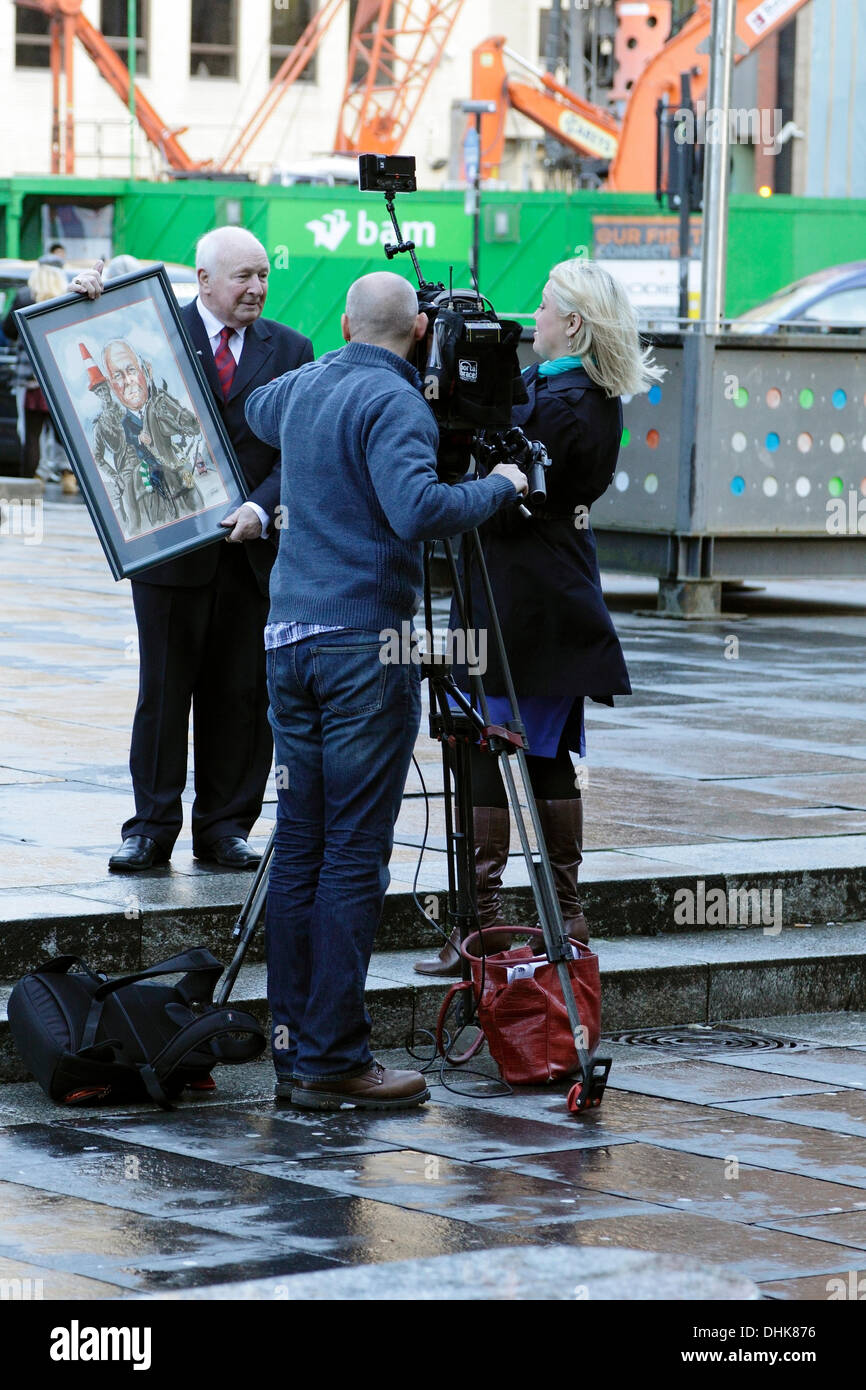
[[381, 308], [222, 244]]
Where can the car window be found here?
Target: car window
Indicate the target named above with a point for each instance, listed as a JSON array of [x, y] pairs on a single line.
[[845, 306]]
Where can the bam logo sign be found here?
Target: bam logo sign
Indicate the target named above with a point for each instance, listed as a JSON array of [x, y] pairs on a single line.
[[331, 229]]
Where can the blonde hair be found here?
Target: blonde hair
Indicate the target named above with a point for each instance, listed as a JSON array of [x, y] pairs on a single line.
[[47, 282], [607, 340]]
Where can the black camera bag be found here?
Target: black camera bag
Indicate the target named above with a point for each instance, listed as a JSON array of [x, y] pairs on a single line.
[[85, 1037]]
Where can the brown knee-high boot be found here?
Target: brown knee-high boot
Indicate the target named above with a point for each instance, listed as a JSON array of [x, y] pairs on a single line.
[[492, 831], [562, 823]]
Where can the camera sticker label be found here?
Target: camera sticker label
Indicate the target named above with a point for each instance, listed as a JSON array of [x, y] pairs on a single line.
[[467, 369]]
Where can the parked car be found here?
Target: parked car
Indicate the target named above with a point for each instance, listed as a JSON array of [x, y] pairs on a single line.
[[831, 300], [14, 275]]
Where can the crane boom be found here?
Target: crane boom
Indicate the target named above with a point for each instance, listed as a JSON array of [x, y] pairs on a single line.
[[288, 72], [395, 48], [116, 74], [633, 168]]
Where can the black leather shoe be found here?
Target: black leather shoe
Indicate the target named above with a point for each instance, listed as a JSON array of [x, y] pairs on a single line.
[[231, 852], [136, 853]]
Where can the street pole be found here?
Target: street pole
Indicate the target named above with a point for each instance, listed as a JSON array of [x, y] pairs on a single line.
[[131, 31], [472, 170], [715, 219], [684, 182], [576, 74]]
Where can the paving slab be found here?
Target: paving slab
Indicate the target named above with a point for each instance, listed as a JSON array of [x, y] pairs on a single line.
[[839, 1029], [753, 1251], [704, 1082], [720, 1187], [848, 1227], [135, 1252], [839, 1066], [775, 1144], [475, 1192], [841, 1112], [249, 1133], [549, 1274]]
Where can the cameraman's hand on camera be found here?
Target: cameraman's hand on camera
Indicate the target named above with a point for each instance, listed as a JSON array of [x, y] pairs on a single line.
[[514, 475], [89, 282]]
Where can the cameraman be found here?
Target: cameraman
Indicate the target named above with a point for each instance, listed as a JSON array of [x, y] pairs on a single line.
[[559, 638], [360, 491]]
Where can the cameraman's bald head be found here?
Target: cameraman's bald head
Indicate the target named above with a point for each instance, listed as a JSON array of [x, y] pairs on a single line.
[[382, 309]]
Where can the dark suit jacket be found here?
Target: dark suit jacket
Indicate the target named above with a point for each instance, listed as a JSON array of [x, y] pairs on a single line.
[[270, 350]]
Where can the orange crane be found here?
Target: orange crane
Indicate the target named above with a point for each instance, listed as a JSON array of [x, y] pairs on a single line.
[[394, 50], [629, 144], [67, 22]]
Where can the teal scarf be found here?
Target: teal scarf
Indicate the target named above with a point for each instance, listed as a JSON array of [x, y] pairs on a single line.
[[558, 365]]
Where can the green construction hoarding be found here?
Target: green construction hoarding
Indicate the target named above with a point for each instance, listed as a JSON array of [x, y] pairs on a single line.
[[321, 238]]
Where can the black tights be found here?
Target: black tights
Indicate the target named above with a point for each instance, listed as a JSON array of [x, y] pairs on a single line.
[[552, 779], [34, 420]]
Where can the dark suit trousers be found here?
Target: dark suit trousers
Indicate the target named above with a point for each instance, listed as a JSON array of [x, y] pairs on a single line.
[[201, 646]]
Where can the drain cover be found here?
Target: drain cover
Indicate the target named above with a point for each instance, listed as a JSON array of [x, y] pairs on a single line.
[[703, 1037]]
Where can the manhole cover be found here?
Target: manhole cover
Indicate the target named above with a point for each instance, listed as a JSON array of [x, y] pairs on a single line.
[[700, 1037]]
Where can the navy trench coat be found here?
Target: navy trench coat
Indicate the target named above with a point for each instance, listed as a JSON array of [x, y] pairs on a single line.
[[559, 637]]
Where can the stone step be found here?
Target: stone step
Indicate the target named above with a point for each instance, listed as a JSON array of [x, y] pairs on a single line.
[[691, 977], [121, 923]]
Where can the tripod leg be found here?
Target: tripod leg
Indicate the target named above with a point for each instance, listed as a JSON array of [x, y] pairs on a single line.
[[248, 920]]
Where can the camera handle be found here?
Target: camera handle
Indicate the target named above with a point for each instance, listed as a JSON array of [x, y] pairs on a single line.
[[405, 246]]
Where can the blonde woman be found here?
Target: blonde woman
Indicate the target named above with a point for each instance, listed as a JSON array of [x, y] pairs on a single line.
[[46, 282], [559, 637]]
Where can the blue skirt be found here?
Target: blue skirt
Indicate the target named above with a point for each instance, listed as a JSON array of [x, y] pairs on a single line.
[[545, 718]]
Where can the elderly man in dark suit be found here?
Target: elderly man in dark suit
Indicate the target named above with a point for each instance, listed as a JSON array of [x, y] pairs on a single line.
[[201, 618]]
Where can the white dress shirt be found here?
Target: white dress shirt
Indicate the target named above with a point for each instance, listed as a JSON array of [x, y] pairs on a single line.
[[213, 327]]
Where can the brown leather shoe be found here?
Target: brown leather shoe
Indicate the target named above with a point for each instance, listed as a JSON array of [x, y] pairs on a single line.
[[377, 1088], [492, 831], [562, 823]]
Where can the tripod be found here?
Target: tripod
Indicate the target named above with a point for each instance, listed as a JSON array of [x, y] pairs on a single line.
[[456, 732]]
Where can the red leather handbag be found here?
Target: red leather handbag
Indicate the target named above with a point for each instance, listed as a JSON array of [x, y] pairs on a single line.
[[524, 1019]]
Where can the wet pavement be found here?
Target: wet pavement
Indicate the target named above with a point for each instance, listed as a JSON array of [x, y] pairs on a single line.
[[741, 750], [743, 1163]]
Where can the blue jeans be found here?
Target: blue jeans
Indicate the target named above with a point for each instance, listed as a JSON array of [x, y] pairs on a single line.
[[344, 727]]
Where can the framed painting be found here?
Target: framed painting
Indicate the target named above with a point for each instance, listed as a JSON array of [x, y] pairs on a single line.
[[133, 410]]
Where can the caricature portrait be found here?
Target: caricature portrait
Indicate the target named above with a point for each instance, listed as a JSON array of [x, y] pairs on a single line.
[[144, 434]]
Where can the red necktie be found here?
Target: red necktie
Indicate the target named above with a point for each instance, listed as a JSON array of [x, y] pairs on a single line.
[[225, 363]]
